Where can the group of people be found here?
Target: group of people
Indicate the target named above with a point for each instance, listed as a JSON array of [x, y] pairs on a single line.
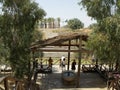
[[63, 63]]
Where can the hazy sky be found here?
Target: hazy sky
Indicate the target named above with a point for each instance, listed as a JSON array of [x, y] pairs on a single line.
[[65, 9]]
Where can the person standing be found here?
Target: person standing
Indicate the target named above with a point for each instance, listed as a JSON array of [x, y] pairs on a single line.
[[73, 66], [63, 64], [62, 58], [50, 62]]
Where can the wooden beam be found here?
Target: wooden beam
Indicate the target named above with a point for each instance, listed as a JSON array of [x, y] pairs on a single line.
[[79, 62], [56, 50], [69, 54], [67, 45], [39, 46]]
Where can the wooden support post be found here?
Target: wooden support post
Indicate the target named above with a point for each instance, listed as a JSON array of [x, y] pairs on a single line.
[[69, 55], [19, 87], [34, 63], [96, 65], [6, 84], [79, 62]]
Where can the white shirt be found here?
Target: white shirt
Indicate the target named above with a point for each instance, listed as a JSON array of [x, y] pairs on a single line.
[[62, 58]]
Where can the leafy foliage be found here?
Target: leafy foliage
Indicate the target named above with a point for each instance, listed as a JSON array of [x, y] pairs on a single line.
[[93, 26], [16, 30], [99, 9], [75, 24], [105, 38]]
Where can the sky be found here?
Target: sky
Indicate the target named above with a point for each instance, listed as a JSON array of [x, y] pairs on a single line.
[[65, 9]]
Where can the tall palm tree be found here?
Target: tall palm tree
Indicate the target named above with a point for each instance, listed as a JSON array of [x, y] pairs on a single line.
[[58, 19], [45, 23], [53, 22], [49, 22]]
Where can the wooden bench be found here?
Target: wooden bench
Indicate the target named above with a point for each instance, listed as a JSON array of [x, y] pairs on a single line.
[[88, 68]]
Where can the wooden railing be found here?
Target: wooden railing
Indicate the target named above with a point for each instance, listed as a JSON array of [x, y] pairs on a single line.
[[113, 83]]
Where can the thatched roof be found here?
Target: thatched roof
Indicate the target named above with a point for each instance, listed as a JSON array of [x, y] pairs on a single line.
[[58, 40]]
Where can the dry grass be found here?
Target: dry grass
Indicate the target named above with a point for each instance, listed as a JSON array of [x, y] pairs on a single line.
[[49, 33]]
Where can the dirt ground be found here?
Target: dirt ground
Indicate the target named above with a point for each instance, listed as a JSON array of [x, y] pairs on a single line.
[[53, 81]]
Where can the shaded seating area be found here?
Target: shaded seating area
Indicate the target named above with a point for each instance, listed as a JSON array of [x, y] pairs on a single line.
[[67, 40]]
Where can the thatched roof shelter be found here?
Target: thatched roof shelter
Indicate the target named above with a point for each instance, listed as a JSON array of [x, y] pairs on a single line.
[[66, 39]]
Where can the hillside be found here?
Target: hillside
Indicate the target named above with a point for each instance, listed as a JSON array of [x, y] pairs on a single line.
[[49, 33]]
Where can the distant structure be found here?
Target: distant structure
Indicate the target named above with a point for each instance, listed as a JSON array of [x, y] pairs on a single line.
[[49, 23]]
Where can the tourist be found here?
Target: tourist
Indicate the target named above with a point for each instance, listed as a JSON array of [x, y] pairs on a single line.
[[63, 57], [50, 62], [73, 66], [63, 64], [63, 61]]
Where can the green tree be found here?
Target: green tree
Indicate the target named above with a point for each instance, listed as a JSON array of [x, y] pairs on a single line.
[[92, 26], [17, 25], [105, 40], [99, 9], [37, 36], [75, 24]]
